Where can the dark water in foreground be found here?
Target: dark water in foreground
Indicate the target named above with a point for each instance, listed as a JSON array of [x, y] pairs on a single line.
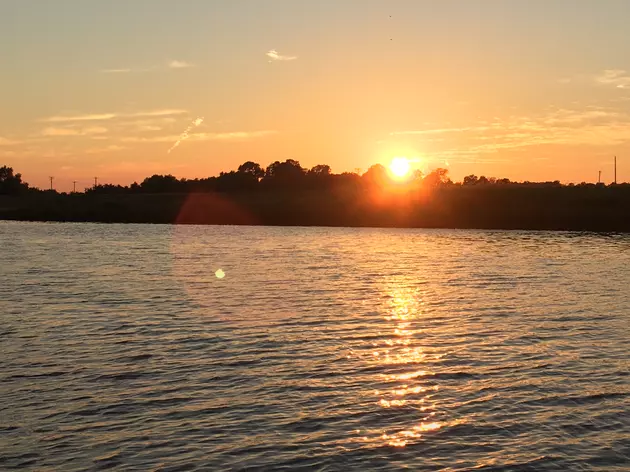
[[324, 349]]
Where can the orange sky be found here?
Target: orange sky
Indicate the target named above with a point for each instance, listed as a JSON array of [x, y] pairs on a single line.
[[522, 89]]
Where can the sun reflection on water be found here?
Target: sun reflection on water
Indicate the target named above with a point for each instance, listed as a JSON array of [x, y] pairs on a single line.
[[410, 390]]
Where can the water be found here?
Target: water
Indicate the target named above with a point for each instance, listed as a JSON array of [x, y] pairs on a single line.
[[325, 349]]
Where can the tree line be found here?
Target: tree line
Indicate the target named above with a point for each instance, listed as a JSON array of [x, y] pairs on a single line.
[[288, 175]]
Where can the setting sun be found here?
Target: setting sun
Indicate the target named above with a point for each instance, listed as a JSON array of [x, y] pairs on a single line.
[[400, 167]]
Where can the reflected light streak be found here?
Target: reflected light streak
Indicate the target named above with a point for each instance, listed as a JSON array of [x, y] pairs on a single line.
[[406, 390]]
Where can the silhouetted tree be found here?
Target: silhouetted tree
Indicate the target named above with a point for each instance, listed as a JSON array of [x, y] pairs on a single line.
[[437, 177], [108, 188], [160, 184], [320, 170], [417, 176], [471, 180], [377, 174], [252, 169], [284, 174], [11, 183]]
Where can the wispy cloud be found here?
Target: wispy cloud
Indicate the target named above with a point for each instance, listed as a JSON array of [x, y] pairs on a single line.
[[110, 116], [88, 117], [157, 113], [180, 65], [438, 131], [273, 55], [173, 64], [56, 131], [52, 131], [590, 126], [151, 121], [235, 135], [110, 148], [227, 136], [95, 130], [614, 77], [185, 134], [567, 116], [8, 142]]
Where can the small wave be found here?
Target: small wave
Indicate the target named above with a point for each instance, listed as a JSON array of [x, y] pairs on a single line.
[[56, 373], [121, 376], [573, 400], [136, 358]]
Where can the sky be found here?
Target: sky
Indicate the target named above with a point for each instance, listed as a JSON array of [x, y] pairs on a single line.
[[524, 89]]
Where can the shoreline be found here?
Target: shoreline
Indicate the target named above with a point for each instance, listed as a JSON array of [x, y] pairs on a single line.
[[596, 210]]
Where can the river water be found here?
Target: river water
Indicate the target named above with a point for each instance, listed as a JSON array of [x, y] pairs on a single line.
[[318, 349]]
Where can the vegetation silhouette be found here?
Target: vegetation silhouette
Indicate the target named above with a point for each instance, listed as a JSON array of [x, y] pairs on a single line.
[[285, 193]]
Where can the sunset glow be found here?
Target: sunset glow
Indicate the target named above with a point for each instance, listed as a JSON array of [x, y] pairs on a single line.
[[153, 99], [400, 167]]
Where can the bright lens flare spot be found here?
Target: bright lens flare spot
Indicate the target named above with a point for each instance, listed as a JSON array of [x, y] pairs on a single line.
[[219, 274], [400, 167]]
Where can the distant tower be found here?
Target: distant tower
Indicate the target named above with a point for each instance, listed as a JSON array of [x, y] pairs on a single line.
[[599, 179], [74, 186], [95, 182], [51, 182], [615, 169]]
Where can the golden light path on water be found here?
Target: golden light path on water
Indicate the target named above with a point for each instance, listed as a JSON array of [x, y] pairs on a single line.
[[401, 346]]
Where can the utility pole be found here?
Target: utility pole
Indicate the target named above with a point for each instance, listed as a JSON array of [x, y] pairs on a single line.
[[74, 186], [95, 182], [615, 170], [599, 179], [51, 182]]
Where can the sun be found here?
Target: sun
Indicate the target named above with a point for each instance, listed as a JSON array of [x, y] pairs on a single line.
[[400, 167]]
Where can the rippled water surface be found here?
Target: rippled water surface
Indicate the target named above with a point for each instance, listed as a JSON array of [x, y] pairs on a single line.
[[325, 349]]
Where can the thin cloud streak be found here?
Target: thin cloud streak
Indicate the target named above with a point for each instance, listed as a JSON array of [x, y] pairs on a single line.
[[60, 132], [180, 65], [228, 136], [8, 142], [617, 77], [167, 112], [237, 135], [592, 126], [174, 64], [116, 71], [90, 117], [275, 56], [111, 116], [110, 148], [184, 135], [439, 131], [54, 132]]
